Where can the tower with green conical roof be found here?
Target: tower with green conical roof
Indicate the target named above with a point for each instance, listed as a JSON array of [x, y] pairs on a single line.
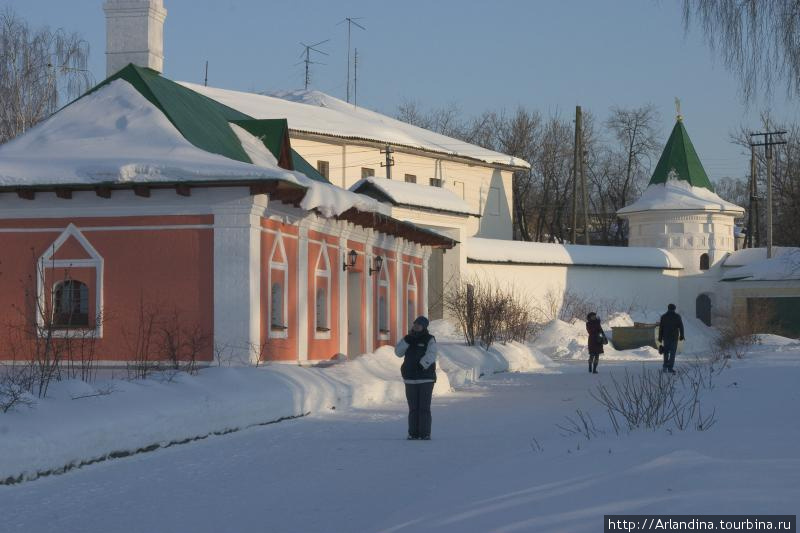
[[679, 160], [680, 212]]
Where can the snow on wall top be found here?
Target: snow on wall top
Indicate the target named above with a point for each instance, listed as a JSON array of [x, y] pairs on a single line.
[[499, 251], [784, 267], [115, 135], [679, 195], [413, 194], [749, 256], [316, 112]]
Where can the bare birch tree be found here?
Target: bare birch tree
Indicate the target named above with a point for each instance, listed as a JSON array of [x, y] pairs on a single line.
[[758, 40], [39, 70]]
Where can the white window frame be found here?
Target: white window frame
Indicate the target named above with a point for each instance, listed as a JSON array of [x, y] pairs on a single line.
[[383, 283], [46, 262], [411, 287], [323, 260], [283, 267]]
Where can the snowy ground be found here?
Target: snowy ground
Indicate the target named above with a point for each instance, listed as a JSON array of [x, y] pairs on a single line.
[[497, 462]]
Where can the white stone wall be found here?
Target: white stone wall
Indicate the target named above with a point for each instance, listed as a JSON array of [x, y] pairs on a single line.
[[640, 288]]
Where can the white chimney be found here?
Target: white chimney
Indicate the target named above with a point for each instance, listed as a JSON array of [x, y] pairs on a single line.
[[134, 34]]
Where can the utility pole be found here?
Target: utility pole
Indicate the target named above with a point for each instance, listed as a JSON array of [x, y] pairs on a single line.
[[768, 144], [575, 173], [389, 160], [308, 48], [752, 212], [350, 22], [584, 194]]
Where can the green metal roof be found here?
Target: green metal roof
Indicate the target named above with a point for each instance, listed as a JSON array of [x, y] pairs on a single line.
[[205, 122], [679, 160]]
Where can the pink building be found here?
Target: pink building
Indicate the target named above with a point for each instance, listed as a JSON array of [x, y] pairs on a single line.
[[145, 211]]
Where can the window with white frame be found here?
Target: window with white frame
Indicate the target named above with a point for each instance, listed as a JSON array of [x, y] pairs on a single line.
[[322, 291], [70, 304], [411, 297], [384, 302], [278, 284]]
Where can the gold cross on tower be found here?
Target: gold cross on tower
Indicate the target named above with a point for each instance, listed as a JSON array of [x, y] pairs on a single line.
[[678, 109]]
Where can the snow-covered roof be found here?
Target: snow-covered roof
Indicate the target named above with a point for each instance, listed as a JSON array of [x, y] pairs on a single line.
[[316, 112], [114, 135], [679, 195], [540, 253], [784, 267], [749, 256], [414, 195]]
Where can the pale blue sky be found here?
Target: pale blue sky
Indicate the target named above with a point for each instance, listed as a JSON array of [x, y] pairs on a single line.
[[546, 55]]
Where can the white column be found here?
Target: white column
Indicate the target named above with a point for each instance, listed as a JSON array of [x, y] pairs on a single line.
[[302, 293], [424, 283], [237, 274], [399, 288], [369, 346], [343, 325]]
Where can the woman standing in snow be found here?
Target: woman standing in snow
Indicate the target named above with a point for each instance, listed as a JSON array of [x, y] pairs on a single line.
[[418, 349], [597, 338]]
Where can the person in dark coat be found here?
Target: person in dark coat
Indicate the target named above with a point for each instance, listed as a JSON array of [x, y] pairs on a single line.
[[597, 338], [670, 331], [418, 350]]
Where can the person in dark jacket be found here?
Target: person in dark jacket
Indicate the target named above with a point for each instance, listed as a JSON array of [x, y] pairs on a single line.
[[418, 350], [670, 331], [597, 338]]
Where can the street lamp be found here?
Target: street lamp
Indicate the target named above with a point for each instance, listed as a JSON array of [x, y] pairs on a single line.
[[378, 262], [350, 262]]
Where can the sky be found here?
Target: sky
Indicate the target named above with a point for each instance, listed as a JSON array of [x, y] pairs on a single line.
[[544, 55]]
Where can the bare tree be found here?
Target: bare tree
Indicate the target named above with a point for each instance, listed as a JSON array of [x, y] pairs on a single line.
[[637, 146], [759, 41], [39, 70]]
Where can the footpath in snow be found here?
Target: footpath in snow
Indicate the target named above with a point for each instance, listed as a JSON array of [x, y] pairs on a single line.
[[74, 426], [498, 462]]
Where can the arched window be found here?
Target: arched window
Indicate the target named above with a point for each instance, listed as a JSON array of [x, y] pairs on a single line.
[[704, 262], [278, 284], [384, 330], [322, 291], [411, 297], [70, 304]]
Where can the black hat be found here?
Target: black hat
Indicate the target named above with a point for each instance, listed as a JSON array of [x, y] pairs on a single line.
[[671, 307]]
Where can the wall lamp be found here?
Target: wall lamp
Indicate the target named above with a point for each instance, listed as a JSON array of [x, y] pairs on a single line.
[[378, 262], [350, 262]]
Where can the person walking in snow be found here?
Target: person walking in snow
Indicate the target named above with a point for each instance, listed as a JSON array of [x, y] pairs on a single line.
[[418, 349], [597, 338], [670, 331]]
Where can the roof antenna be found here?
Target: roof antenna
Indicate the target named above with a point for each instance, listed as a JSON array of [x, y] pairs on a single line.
[[355, 79], [307, 52], [350, 22], [205, 82]]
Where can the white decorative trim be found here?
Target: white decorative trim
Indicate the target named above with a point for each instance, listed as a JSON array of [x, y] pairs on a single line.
[[399, 288], [46, 261], [283, 266], [342, 277], [384, 282], [302, 294], [86, 229], [411, 287], [370, 330], [326, 272]]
